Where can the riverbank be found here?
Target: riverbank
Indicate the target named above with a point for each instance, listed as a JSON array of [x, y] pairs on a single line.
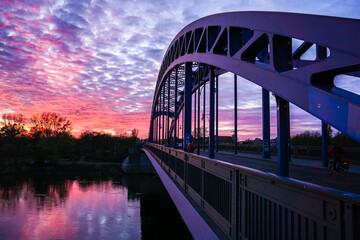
[[64, 169]]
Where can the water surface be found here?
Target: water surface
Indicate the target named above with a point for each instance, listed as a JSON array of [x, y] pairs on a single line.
[[133, 207]]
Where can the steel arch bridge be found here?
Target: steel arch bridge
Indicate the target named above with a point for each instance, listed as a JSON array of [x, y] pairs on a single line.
[[266, 48]]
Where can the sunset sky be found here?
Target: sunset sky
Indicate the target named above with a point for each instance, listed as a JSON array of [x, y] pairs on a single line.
[[96, 61]]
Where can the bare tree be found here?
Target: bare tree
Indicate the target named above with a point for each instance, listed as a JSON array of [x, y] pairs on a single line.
[[134, 133], [12, 124], [49, 124]]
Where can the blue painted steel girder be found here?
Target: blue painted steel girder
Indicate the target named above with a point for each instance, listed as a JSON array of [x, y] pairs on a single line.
[[212, 114], [307, 84], [188, 98]]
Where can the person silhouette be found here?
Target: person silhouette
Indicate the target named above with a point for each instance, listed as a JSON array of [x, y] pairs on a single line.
[[338, 153], [190, 147]]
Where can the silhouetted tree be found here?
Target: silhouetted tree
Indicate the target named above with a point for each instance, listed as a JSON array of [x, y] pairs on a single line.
[[134, 133], [49, 124], [12, 125], [307, 139], [345, 141]]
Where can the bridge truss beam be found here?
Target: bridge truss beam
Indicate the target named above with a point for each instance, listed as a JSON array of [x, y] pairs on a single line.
[[267, 49]]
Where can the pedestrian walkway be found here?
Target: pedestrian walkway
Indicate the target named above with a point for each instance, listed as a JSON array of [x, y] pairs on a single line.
[[354, 168]]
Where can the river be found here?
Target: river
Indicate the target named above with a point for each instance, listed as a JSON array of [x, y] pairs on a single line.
[[131, 207]]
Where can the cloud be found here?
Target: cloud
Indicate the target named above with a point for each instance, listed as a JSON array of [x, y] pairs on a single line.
[[96, 61]]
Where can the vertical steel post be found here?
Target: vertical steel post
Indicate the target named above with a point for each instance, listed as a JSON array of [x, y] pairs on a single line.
[[195, 137], [198, 119], [168, 112], [217, 114], [175, 108], [282, 60], [159, 126], [151, 129], [163, 115], [187, 104], [235, 114], [212, 114], [324, 143], [204, 101], [283, 133], [155, 127], [183, 128], [266, 123]]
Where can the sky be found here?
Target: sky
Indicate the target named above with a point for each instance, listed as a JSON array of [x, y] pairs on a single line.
[[96, 61]]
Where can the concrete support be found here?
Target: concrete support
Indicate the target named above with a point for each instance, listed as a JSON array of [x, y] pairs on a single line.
[[283, 136], [175, 108], [187, 105], [324, 143], [235, 114], [266, 123], [212, 114]]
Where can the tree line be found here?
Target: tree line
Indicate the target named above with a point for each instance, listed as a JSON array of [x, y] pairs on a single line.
[[314, 138], [46, 137]]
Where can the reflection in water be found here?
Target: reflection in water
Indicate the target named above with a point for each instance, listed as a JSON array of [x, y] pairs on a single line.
[[134, 207]]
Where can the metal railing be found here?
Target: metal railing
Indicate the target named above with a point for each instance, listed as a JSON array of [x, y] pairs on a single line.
[[249, 204]]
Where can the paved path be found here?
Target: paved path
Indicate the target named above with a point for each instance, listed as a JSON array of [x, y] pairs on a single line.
[[354, 168], [301, 169]]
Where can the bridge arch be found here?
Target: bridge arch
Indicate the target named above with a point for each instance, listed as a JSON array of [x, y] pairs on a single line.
[[260, 46]]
